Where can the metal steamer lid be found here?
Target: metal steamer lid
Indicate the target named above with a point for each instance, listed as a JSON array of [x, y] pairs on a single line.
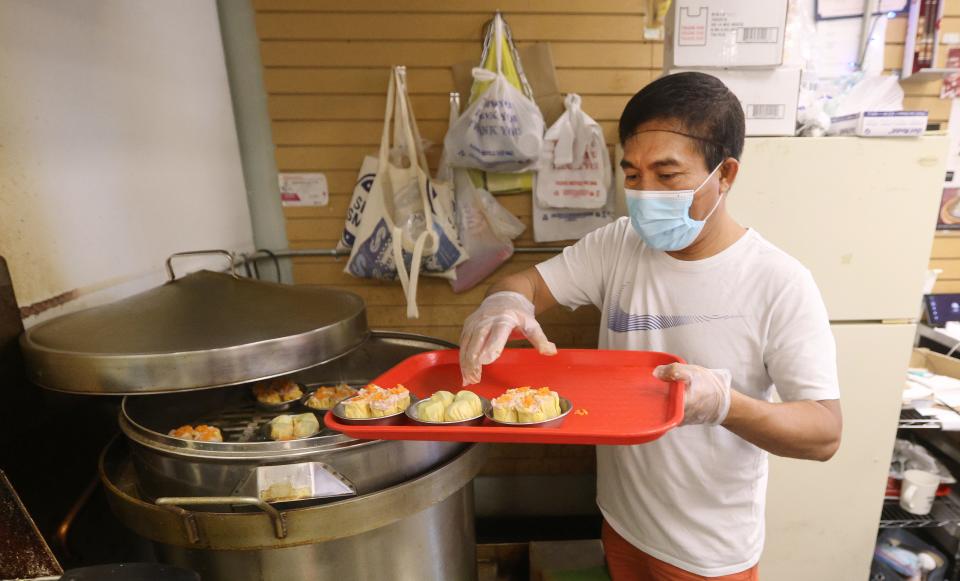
[[206, 329]]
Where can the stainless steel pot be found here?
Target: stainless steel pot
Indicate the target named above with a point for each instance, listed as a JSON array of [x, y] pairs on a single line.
[[171, 467], [419, 530], [411, 518]]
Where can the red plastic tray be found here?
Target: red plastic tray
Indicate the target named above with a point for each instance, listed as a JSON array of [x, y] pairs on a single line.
[[625, 404]]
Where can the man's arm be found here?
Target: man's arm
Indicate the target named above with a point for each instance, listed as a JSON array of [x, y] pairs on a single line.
[[530, 284], [806, 429]]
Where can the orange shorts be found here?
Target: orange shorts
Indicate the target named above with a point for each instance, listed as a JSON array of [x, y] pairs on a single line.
[[628, 563]]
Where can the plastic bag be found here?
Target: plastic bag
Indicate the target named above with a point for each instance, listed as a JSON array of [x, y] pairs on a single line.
[[502, 130], [554, 224], [486, 230], [392, 246], [574, 164]]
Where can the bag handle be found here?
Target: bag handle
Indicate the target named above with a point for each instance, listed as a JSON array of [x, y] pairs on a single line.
[[414, 143], [444, 171], [498, 36], [409, 122], [417, 156], [409, 282], [387, 118], [481, 74], [571, 141]]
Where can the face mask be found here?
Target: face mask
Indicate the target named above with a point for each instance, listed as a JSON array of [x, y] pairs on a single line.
[[662, 218]]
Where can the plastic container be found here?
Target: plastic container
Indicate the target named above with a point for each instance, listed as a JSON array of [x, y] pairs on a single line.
[[615, 398]]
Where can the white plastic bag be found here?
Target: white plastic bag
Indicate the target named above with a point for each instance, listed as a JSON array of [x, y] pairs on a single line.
[[574, 167], [368, 171], [554, 224], [485, 227], [387, 248], [486, 230], [502, 130]]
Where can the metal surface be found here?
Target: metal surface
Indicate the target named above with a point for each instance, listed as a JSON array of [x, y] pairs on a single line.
[[914, 420], [129, 572], [413, 414], [23, 551], [203, 330], [169, 466], [414, 498], [945, 511], [287, 483], [255, 530], [176, 504], [565, 409], [435, 544], [231, 261]]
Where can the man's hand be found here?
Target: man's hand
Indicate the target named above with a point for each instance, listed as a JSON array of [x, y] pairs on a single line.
[[486, 331], [798, 429], [707, 397]]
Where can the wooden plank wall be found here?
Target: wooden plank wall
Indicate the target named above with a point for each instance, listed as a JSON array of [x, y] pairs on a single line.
[[326, 64], [946, 246]]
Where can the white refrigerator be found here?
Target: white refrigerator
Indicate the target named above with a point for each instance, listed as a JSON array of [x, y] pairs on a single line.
[[860, 213]]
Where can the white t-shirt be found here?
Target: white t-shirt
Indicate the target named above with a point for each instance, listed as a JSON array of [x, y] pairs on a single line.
[[695, 497]]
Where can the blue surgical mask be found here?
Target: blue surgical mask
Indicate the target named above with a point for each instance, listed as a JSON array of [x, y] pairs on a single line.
[[662, 218]]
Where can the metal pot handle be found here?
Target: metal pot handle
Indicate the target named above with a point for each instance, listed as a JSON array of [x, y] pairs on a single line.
[[190, 523], [229, 256]]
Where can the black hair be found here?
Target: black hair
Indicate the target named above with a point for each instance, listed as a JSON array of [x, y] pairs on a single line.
[[705, 108]]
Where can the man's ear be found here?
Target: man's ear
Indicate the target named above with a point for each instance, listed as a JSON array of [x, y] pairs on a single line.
[[728, 173]]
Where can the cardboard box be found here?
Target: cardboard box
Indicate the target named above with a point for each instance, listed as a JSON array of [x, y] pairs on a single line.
[[935, 362], [880, 124], [769, 97], [724, 33]]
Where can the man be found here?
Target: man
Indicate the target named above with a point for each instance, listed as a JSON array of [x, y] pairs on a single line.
[[680, 275]]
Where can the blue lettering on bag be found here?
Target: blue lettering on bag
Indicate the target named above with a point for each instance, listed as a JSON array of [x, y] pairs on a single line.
[[373, 259]]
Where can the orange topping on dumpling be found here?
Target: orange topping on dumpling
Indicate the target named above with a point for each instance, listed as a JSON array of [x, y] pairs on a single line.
[[184, 432]]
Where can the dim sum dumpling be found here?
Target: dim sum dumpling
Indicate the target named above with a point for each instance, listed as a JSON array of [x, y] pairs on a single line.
[[384, 404], [529, 410], [305, 425], [207, 433], [475, 404], [445, 396], [549, 404], [431, 410], [504, 412], [401, 397], [459, 411], [281, 428], [357, 408]]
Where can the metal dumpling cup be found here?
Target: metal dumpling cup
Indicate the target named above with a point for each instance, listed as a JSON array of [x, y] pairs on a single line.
[[414, 415], [308, 393], [266, 430], [282, 406], [565, 409], [391, 420]]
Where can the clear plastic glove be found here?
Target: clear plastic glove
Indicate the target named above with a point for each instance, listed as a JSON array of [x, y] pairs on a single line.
[[487, 330], [707, 398]]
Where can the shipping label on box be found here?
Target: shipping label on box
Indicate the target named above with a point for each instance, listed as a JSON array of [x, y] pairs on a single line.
[[303, 189], [880, 124], [725, 33], [769, 97]]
